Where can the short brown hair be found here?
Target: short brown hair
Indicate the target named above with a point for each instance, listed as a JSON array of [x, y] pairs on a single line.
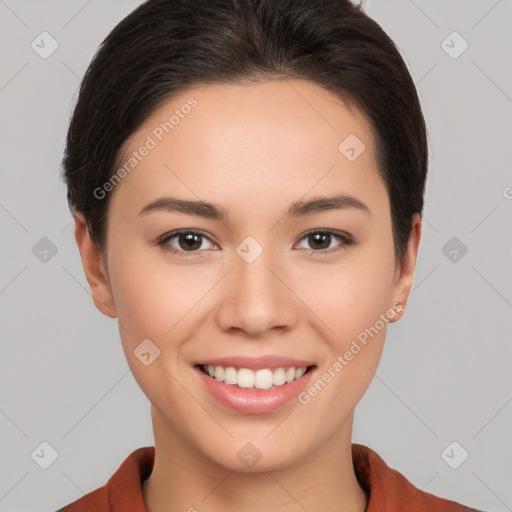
[[166, 46]]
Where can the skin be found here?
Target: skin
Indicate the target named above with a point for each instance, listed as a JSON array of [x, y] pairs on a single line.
[[253, 149]]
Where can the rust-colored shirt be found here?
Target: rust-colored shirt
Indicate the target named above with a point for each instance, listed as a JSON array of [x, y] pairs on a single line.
[[387, 489]]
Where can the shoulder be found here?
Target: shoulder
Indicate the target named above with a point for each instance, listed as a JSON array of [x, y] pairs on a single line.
[[391, 491], [123, 491]]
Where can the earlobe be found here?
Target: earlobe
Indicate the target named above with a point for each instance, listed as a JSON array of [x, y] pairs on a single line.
[[94, 268], [403, 283]]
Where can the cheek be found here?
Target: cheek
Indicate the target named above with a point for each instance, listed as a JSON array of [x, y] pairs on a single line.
[[155, 299], [349, 296], [351, 302], [352, 299]]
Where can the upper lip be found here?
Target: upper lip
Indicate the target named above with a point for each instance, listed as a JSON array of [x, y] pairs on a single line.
[[255, 363]]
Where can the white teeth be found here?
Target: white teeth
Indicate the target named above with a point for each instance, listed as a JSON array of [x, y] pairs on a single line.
[[219, 373], [230, 376], [245, 378], [290, 374], [299, 372], [279, 377], [264, 378]]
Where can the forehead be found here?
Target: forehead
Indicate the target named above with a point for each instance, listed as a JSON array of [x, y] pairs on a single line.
[[259, 139]]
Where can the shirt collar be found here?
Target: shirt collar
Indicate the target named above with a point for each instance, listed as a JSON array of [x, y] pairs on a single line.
[[387, 489]]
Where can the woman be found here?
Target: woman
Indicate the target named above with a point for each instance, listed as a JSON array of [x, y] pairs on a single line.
[[247, 180]]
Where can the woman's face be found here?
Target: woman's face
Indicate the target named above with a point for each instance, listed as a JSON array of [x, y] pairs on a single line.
[[263, 287]]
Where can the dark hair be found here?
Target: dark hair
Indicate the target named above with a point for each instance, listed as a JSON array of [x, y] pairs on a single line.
[[164, 47]]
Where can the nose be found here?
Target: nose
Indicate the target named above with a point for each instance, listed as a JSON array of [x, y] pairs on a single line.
[[258, 298]]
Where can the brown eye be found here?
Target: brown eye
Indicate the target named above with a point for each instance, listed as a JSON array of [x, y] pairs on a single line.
[[184, 241], [189, 241], [320, 241]]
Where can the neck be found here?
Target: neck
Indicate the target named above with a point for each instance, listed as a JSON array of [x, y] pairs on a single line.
[[184, 480]]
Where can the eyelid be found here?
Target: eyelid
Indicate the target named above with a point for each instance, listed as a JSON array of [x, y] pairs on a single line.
[[345, 240], [164, 239]]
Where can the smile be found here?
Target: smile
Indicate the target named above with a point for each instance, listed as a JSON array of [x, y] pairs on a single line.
[[261, 379], [255, 385]]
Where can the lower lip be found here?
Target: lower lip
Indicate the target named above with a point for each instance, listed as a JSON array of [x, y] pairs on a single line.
[[254, 401]]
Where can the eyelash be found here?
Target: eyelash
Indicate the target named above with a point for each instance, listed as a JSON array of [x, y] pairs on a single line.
[[345, 239]]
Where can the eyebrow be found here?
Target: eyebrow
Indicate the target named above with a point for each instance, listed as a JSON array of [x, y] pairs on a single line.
[[217, 212]]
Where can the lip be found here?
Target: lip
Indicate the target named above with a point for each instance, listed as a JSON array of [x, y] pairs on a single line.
[[249, 401], [256, 363]]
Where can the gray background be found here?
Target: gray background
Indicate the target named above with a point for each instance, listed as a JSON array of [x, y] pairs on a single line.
[[446, 370]]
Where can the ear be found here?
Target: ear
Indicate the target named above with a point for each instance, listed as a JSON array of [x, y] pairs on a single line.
[[94, 268], [405, 274]]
